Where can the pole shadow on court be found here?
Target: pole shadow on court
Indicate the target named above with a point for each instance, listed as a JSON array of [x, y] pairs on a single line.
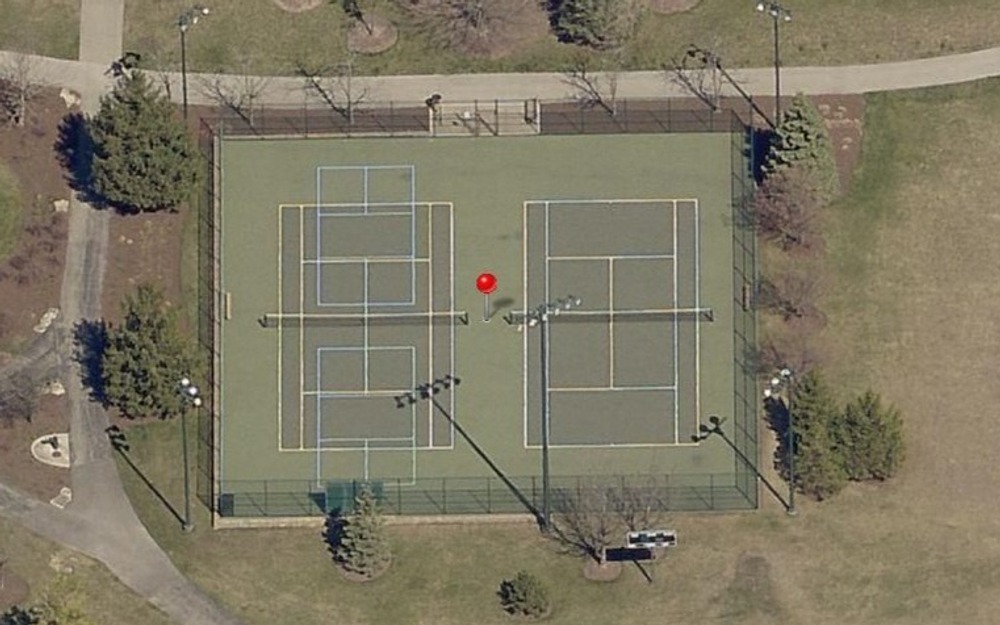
[[427, 392], [120, 444]]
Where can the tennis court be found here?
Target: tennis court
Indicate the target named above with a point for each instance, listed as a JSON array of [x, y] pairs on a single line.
[[347, 272], [624, 364]]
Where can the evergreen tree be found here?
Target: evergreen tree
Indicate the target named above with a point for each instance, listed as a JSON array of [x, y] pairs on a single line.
[[870, 438], [364, 547], [143, 158], [818, 466], [601, 24], [802, 141], [146, 358], [524, 595]]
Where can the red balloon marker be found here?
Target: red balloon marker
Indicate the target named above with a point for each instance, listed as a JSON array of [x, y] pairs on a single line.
[[486, 283]]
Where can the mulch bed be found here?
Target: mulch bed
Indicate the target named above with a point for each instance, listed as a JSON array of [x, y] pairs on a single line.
[[383, 35], [14, 592]]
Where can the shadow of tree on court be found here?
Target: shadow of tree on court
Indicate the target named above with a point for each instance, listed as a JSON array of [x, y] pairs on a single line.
[[90, 339]]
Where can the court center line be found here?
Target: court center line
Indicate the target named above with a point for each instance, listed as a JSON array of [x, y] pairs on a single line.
[[611, 322], [591, 389], [430, 324], [697, 320], [546, 422], [365, 327], [302, 300], [453, 325], [349, 260], [524, 334], [281, 387], [676, 331], [581, 257]]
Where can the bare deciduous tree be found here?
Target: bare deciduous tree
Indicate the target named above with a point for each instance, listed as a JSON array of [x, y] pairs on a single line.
[[790, 294], [18, 86], [699, 71], [639, 507], [235, 93], [588, 519], [334, 86], [590, 89], [786, 207]]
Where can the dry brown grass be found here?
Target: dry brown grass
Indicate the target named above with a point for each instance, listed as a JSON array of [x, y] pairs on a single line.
[[913, 249]]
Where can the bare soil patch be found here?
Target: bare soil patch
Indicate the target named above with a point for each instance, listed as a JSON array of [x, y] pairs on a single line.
[[17, 467], [382, 36], [142, 248], [14, 592], [298, 6], [595, 572], [31, 277]]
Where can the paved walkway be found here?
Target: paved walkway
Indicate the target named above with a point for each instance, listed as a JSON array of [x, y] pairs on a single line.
[[100, 521], [81, 75]]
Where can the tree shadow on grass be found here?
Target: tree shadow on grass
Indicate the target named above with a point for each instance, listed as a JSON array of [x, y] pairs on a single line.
[[90, 339], [333, 532], [75, 150]]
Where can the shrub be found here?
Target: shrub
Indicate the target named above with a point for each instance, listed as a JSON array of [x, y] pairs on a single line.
[[870, 438], [802, 141], [524, 595]]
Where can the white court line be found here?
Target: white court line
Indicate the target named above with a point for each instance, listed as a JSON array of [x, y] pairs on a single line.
[[430, 323], [365, 215], [353, 260], [281, 386], [302, 299], [365, 330], [611, 322], [524, 333], [614, 201], [358, 439], [364, 173], [623, 389], [451, 309], [676, 337], [613, 257], [697, 319], [546, 422], [613, 445]]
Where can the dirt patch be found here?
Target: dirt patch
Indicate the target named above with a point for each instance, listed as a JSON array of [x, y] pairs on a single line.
[[17, 467], [298, 6], [142, 248], [844, 116], [13, 591], [666, 7], [377, 34], [751, 596], [595, 572], [31, 277]]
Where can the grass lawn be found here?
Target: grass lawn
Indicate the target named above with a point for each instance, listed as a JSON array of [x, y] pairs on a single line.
[[102, 597], [913, 248], [47, 27], [259, 37], [10, 212]]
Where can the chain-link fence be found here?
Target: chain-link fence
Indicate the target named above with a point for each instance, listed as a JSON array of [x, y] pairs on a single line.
[[486, 495]]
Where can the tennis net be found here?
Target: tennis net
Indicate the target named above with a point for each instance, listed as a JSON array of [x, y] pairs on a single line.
[[274, 320], [532, 317]]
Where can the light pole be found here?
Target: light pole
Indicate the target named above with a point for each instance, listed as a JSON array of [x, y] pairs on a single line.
[[192, 395], [186, 20], [778, 14], [784, 382], [704, 431], [539, 316]]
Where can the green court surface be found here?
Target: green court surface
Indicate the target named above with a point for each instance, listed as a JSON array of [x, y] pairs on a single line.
[[348, 272]]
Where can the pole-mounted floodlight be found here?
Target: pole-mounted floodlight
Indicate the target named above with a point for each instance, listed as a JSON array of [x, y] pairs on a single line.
[[191, 394], [539, 316], [778, 14], [186, 20], [782, 383]]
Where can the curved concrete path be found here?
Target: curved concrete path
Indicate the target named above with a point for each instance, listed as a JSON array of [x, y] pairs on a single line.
[[100, 520], [87, 75]]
